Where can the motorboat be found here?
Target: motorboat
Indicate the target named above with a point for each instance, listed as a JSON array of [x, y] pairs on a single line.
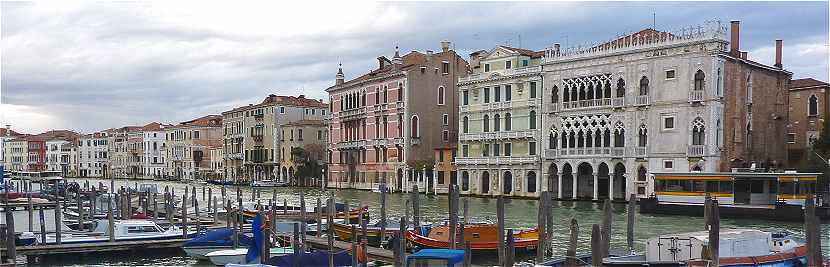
[[269, 183], [482, 237], [737, 247], [373, 236], [316, 258], [237, 255], [124, 230], [216, 240]]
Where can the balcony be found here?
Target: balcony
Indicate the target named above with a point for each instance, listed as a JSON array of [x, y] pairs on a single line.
[[640, 151], [617, 152], [350, 144], [529, 70], [618, 102], [554, 107], [588, 103], [496, 160], [498, 135], [642, 100], [696, 151], [696, 96], [353, 112], [551, 153]]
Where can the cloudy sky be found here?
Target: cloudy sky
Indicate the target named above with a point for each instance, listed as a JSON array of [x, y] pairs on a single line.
[[99, 65]]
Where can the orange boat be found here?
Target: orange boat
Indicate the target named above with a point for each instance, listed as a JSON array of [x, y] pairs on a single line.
[[482, 237]]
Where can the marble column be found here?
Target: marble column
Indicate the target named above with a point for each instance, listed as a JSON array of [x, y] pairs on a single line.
[[611, 186], [559, 185], [574, 178], [596, 186]]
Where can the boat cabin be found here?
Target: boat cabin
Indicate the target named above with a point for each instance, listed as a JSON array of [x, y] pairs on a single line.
[[735, 188], [690, 246], [131, 228], [36, 176]]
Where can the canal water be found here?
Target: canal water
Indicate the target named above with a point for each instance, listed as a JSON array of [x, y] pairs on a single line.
[[519, 213]]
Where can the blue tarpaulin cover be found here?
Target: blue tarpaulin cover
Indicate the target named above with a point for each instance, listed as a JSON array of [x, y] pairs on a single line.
[[452, 256], [317, 258]]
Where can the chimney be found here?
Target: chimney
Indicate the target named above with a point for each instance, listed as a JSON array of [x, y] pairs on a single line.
[[778, 46], [735, 41], [381, 60], [8, 130], [445, 46], [301, 97], [743, 54], [429, 52]]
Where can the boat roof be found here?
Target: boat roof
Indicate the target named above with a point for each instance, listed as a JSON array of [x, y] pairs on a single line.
[[452, 256], [725, 234]]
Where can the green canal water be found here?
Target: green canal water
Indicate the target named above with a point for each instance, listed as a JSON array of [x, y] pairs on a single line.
[[519, 213]]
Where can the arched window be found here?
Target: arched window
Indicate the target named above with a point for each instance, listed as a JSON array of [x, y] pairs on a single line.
[[552, 140], [554, 94], [565, 95], [414, 124], [718, 130], [441, 95], [572, 140], [643, 140], [465, 181], [531, 182], [581, 92], [589, 94], [532, 119], [699, 78], [619, 135], [717, 85], [607, 93], [465, 124], [580, 139], [485, 182], [620, 88], [812, 109], [698, 132], [496, 123], [507, 122], [644, 86], [641, 173], [564, 140], [486, 123]]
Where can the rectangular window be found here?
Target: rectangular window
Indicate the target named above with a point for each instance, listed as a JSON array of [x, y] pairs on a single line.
[[486, 67], [496, 149], [497, 96], [531, 148], [466, 96], [485, 151], [300, 134], [440, 177], [445, 66], [668, 123], [282, 110], [668, 164], [445, 119], [507, 95], [508, 64], [791, 138], [440, 156], [486, 95], [445, 135], [532, 89], [507, 149], [465, 151], [670, 74], [524, 62]]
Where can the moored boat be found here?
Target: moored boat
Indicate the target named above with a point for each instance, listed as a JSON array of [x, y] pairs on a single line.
[[237, 256], [343, 232], [124, 230], [216, 240], [435, 257], [482, 237], [269, 183], [738, 247]]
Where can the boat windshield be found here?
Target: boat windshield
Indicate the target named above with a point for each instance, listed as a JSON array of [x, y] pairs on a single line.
[[142, 229]]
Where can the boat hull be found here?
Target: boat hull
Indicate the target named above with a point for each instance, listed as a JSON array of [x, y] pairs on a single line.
[[237, 256], [794, 257], [201, 251], [344, 233], [780, 212], [524, 241]]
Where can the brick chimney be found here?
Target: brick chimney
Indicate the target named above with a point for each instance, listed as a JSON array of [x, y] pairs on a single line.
[[735, 41], [778, 46]]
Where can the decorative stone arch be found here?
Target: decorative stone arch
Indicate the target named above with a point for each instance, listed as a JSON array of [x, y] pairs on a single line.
[[620, 181], [604, 185], [532, 183], [507, 183], [697, 128], [553, 178], [568, 181], [485, 183], [585, 180]]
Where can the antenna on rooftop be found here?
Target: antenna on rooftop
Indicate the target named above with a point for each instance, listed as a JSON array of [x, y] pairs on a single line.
[[654, 21]]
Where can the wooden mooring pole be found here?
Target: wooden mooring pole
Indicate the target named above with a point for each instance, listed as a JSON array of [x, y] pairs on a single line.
[[11, 246], [629, 225], [596, 245], [607, 219], [572, 242], [500, 224]]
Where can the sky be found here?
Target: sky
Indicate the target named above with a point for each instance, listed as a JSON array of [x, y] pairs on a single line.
[[93, 66]]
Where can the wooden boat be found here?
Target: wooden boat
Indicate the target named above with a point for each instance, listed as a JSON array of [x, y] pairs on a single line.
[[738, 247], [343, 232], [482, 237]]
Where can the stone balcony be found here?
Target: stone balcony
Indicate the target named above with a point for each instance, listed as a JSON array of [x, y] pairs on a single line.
[[350, 144], [642, 100], [696, 96], [498, 135], [586, 104], [696, 151], [640, 151], [496, 160]]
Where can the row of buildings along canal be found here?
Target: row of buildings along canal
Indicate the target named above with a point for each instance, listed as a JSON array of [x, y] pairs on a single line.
[[589, 122]]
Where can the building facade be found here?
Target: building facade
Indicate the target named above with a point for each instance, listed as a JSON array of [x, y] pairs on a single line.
[[311, 136], [92, 155], [189, 144], [252, 134], [118, 151], [16, 154], [500, 117], [154, 154], [807, 115], [386, 123]]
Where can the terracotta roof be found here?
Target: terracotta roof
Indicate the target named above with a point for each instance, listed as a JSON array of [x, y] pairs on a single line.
[[154, 126], [410, 60], [54, 135], [293, 101], [806, 82], [11, 133], [526, 52], [206, 121]]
